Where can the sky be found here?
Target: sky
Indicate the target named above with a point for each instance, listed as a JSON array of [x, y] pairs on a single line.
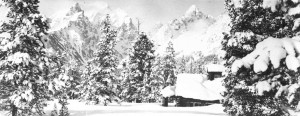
[[149, 12]]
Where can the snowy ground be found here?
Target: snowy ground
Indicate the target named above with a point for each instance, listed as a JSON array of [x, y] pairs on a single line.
[[140, 109], [137, 109]]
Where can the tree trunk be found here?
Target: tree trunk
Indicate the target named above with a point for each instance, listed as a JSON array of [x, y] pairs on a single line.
[[14, 110], [105, 103], [165, 101]]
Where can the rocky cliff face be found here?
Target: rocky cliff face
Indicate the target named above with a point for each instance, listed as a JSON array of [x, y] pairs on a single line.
[[192, 33], [76, 34]]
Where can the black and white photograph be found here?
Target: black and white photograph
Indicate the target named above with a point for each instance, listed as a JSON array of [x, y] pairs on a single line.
[[149, 57]]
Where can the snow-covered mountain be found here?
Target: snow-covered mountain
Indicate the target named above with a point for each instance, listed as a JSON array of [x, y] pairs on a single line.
[[76, 32], [193, 32]]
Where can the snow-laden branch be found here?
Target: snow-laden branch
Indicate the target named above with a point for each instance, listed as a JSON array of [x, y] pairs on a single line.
[[271, 51]]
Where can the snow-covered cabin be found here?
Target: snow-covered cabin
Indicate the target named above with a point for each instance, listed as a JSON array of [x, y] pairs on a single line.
[[195, 88], [214, 71]]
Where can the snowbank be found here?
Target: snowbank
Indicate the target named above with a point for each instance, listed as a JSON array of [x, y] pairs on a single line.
[[265, 53], [192, 86], [138, 109], [168, 91], [215, 85], [215, 68]]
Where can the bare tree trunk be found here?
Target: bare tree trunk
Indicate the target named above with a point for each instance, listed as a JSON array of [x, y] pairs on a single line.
[[165, 101], [14, 110]]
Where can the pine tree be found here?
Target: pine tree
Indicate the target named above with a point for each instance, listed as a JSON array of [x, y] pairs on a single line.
[[125, 82], [100, 74], [169, 66], [158, 81], [24, 65], [164, 72], [63, 110], [251, 23], [54, 111], [73, 70], [140, 63], [181, 65], [62, 84]]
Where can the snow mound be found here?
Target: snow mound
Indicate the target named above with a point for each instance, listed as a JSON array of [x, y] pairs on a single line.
[[168, 91], [263, 86], [215, 85], [215, 68], [191, 86], [271, 50], [271, 4], [5, 35]]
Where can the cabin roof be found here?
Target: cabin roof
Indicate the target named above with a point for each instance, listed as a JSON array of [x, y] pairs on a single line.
[[215, 68], [193, 86]]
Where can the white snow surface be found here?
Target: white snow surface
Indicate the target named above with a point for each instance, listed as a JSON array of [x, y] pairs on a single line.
[[215, 85], [201, 35], [193, 86], [295, 10], [215, 68], [296, 23], [271, 49], [168, 91], [263, 86], [76, 40], [18, 58], [271, 4], [193, 10], [5, 35], [193, 32], [118, 17], [60, 20], [77, 108], [238, 3], [139, 109]]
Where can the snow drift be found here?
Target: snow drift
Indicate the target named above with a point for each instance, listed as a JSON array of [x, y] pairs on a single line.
[[196, 86]]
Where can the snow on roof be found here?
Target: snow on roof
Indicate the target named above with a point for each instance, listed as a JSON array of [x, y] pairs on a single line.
[[191, 86], [215, 68], [168, 91], [215, 85]]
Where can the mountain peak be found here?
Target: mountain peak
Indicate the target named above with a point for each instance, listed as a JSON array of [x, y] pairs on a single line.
[[74, 9], [192, 11]]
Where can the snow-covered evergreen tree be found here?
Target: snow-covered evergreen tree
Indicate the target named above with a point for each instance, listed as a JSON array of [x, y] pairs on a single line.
[[140, 63], [24, 64], [157, 82], [257, 61], [61, 84], [54, 111], [181, 64], [169, 66], [164, 72], [73, 70], [99, 76], [125, 82]]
